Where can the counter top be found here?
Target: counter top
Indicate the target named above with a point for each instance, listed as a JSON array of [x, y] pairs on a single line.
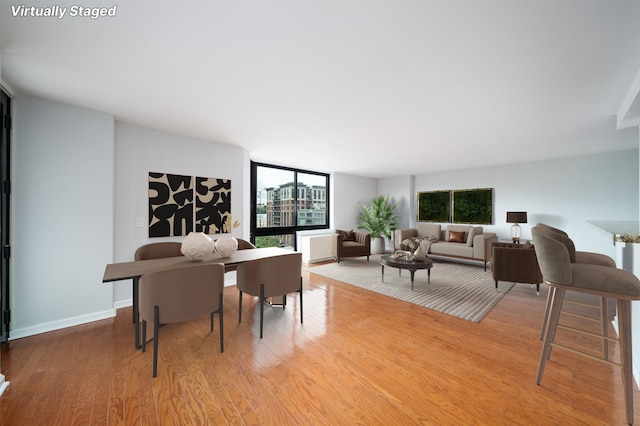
[[624, 231]]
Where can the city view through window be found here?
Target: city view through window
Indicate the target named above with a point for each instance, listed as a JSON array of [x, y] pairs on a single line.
[[286, 201]]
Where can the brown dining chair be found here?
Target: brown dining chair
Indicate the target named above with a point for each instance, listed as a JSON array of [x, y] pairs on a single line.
[[270, 277], [146, 252], [158, 250], [244, 244], [180, 294]]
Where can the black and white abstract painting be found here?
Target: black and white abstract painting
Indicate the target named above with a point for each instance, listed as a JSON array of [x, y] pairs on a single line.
[[179, 204]]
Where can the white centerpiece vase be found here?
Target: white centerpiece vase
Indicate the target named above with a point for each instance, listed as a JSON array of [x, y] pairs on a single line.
[[226, 246], [196, 246]]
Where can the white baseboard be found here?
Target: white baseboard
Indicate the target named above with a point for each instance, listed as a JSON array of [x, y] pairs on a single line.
[[323, 259], [3, 384], [123, 304], [19, 333]]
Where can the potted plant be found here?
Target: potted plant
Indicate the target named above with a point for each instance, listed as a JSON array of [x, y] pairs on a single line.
[[379, 219]]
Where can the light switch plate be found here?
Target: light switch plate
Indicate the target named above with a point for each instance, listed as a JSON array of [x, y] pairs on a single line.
[[140, 222]]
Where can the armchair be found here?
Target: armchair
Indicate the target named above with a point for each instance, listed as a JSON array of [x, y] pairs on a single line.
[[515, 263], [350, 244]]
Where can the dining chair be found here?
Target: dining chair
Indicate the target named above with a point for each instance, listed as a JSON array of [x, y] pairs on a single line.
[[561, 274], [270, 277], [150, 251], [158, 250], [180, 294], [244, 244]]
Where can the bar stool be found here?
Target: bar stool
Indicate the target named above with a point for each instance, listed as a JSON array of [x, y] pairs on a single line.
[[585, 257], [561, 275]]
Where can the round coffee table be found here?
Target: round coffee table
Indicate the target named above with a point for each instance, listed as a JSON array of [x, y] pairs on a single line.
[[411, 265]]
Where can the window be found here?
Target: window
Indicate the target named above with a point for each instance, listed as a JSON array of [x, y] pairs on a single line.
[[286, 200]]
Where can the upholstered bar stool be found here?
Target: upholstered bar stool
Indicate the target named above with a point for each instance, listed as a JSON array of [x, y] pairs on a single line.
[[583, 257], [579, 256], [561, 275]]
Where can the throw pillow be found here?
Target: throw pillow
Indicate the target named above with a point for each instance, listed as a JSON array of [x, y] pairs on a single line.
[[349, 236], [527, 245], [457, 237], [475, 230]]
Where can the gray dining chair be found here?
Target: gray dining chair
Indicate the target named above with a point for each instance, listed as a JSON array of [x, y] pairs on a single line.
[[270, 277], [180, 294]]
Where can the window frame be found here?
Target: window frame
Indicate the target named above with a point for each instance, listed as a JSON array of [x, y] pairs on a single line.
[[282, 230]]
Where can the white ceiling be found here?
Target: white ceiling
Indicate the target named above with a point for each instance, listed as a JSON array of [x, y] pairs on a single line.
[[371, 88]]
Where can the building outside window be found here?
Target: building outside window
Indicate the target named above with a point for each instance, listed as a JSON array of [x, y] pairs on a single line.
[[286, 200]]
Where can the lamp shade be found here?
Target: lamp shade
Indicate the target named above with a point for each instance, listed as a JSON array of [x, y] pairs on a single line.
[[516, 217]]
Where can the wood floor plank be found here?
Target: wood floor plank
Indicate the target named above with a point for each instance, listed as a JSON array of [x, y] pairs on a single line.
[[359, 358]]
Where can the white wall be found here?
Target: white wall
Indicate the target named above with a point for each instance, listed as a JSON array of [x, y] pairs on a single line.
[[346, 195], [140, 150], [565, 193], [400, 190], [62, 215], [79, 182]]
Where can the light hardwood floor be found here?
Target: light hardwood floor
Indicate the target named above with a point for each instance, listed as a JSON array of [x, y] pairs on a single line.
[[359, 358]]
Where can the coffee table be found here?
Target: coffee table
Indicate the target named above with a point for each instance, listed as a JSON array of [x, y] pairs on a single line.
[[411, 265]]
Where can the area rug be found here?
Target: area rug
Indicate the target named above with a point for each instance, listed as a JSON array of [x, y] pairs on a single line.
[[462, 290]]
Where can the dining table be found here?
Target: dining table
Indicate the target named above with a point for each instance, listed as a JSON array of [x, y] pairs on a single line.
[[135, 269]]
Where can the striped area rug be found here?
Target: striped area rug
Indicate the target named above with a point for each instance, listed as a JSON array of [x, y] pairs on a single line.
[[463, 290]]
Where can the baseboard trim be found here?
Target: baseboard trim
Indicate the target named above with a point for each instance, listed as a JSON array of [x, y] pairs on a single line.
[[19, 333], [3, 384], [123, 304]]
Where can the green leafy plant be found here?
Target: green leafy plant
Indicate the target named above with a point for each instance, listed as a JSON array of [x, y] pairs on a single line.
[[379, 218]]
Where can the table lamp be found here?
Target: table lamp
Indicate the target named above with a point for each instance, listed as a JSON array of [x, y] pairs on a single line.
[[516, 218]]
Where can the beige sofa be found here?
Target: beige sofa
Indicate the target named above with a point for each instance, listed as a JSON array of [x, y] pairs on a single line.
[[474, 243]]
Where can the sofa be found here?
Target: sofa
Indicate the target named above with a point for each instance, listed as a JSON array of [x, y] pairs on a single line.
[[350, 244], [455, 241]]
